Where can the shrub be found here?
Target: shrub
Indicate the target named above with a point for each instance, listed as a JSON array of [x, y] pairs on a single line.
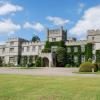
[[67, 65], [87, 67], [39, 62], [10, 65], [31, 65], [98, 66]]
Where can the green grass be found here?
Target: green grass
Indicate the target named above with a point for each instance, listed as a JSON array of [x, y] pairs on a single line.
[[21, 87]]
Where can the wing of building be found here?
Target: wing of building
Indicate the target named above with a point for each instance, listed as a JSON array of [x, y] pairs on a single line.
[[15, 49]]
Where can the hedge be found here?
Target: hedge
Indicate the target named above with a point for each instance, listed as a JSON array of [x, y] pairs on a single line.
[[87, 67]]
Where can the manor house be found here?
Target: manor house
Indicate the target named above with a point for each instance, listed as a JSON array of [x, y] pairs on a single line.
[[78, 50]]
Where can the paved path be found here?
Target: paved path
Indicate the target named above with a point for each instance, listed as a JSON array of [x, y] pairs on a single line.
[[45, 72]]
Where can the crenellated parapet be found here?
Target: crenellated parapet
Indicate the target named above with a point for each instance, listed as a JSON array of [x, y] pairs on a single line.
[[33, 43], [80, 42], [93, 32]]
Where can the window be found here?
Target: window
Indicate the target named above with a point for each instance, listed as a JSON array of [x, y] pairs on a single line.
[[11, 49], [92, 38], [93, 57], [83, 48], [11, 59], [53, 39], [68, 49], [33, 48], [39, 47], [3, 50], [11, 43], [93, 47], [23, 49], [54, 48], [82, 58], [75, 49], [28, 48], [75, 59], [2, 59]]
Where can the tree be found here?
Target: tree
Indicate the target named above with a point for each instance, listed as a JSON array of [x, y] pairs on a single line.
[[61, 56], [1, 61], [35, 39]]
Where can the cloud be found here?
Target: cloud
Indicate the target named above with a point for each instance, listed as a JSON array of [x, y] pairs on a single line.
[[7, 8], [81, 7], [90, 20], [57, 20], [8, 27], [36, 26]]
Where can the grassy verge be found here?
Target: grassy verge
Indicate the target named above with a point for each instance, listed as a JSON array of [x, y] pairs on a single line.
[[22, 87], [98, 72]]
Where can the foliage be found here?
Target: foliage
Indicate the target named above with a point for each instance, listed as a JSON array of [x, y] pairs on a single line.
[[87, 67], [24, 60], [70, 55], [31, 65], [98, 56], [35, 39], [39, 62], [1, 62], [30, 59], [61, 56], [46, 50], [48, 45], [98, 65], [88, 52], [90, 60]]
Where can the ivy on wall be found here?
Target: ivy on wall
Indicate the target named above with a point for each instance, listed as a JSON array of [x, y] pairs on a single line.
[[1, 61], [71, 55], [28, 60], [48, 45], [88, 51], [98, 56]]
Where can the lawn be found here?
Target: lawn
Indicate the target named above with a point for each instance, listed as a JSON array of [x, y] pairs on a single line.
[[22, 87]]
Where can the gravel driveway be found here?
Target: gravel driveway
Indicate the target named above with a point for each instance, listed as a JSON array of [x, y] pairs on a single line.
[[45, 71]]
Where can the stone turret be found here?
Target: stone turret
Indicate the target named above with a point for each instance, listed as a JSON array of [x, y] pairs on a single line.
[[56, 34], [93, 35]]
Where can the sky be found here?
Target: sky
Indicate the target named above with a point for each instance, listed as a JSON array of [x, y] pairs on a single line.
[[26, 18]]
